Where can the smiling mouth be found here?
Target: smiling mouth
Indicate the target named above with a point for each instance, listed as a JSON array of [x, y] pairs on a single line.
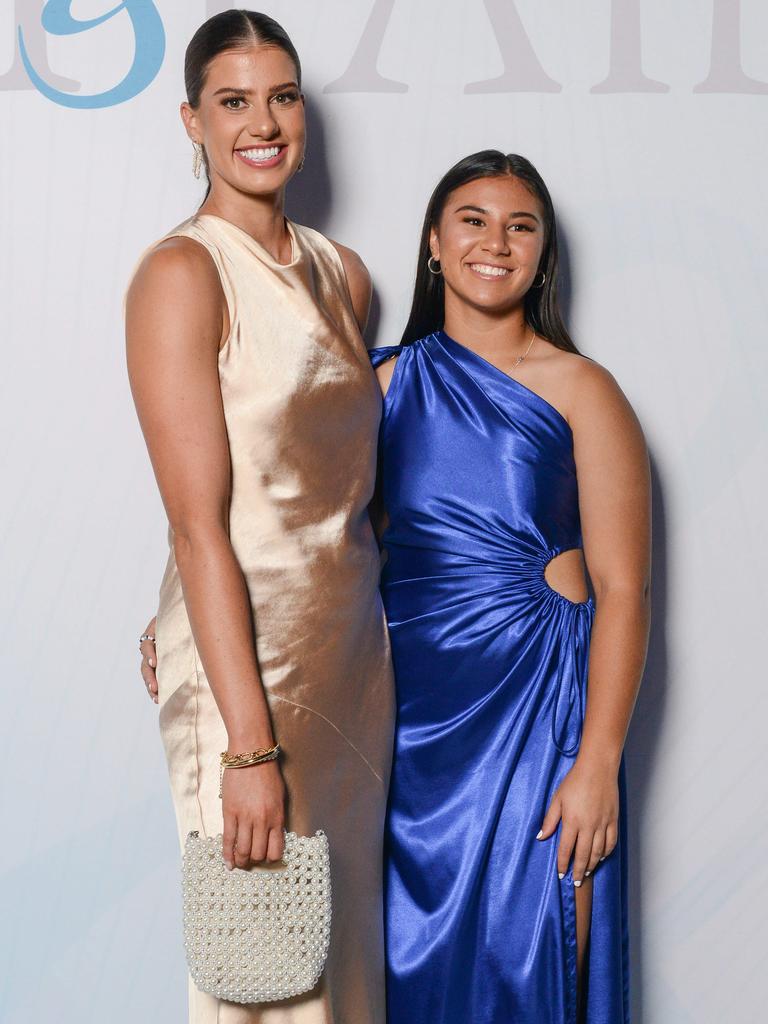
[[489, 271], [261, 156]]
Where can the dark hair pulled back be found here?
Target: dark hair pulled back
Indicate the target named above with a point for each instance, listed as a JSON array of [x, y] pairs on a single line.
[[231, 30]]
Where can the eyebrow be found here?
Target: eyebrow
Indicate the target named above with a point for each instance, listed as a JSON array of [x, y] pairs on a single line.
[[249, 92], [515, 213]]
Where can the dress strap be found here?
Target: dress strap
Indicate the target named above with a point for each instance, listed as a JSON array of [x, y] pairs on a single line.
[[382, 354]]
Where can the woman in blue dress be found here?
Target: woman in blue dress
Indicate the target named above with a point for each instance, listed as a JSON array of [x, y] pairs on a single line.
[[505, 454]]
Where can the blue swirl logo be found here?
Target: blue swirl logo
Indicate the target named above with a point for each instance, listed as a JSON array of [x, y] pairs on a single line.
[[149, 50]]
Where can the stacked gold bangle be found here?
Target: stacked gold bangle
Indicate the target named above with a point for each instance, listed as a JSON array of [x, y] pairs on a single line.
[[246, 760]]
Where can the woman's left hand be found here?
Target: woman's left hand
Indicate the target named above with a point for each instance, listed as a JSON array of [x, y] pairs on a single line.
[[587, 800]]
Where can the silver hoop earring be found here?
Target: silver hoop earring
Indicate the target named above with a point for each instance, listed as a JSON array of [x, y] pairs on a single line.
[[543, 279], [197, 159], [431, 269], [300, 168]]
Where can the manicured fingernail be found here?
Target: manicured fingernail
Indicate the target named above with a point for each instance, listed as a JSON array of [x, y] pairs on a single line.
[[228, 865], [151, 662], [577, 883], [587, 874], [541, 833], [561, 875], [602, 858]]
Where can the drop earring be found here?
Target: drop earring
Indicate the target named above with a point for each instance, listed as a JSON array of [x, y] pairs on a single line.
[[197, 159]]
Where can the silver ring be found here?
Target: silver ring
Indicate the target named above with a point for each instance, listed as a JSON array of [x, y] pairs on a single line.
[[145, 636]]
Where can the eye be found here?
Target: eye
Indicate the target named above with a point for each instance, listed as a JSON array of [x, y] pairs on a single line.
[[284, 98], [521, 227], [233, 99], [473, 221]]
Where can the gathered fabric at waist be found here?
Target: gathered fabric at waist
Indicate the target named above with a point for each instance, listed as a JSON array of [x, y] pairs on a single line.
[[520, 572]]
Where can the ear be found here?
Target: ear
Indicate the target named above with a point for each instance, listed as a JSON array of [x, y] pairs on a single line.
[[191, 122], [434, 243]]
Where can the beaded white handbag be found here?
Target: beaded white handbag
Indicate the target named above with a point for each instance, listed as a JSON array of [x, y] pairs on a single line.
[[252, 936]]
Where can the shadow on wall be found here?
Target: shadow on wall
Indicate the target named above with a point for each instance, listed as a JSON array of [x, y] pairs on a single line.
[[309, 198], [642, 743]]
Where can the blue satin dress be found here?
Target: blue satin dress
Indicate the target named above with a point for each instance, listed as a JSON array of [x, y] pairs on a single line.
[[479, 483]]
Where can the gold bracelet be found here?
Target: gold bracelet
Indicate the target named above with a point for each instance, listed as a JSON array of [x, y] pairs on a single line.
[[244, 760], [239, 760]]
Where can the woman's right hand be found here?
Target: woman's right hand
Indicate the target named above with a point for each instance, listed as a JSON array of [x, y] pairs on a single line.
[[253, 802], [149, 661]]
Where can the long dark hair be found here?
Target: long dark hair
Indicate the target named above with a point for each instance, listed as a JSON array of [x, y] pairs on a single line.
[[542, 309], [231, 30]]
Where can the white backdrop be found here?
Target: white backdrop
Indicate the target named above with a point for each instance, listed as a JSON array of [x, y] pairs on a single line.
[[647, 120]]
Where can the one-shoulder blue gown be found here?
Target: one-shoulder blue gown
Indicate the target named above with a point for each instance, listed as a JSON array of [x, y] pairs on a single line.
[[479, 483]]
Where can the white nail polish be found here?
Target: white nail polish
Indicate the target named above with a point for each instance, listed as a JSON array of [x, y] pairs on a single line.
[[561, 875], [587, 874], [577, 883], [541, 833]]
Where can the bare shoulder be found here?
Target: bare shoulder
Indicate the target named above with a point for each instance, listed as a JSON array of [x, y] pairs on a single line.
[[358, 281], [175, 263], [354, 267], [177, 287], [593, 386], [598, 408]]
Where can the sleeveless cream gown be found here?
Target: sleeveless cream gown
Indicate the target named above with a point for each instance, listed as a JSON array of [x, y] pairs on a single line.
[[302, 409]]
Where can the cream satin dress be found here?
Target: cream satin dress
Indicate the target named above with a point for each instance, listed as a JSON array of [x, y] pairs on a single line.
[[302, 409]]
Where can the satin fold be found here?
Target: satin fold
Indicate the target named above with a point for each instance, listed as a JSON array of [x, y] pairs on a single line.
[[479, 483]]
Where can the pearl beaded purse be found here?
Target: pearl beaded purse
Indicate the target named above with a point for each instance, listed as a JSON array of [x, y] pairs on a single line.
[[253, 936]]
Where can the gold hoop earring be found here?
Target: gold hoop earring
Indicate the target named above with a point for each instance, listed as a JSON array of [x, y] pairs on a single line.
[[543, 279], [431, 269], [197, 159]]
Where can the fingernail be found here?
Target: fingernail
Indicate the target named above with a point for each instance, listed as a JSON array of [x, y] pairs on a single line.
[[587, 874], [561, 875], [577, 883], [228, 865], [541, 833], [602, 858], [151, 662]]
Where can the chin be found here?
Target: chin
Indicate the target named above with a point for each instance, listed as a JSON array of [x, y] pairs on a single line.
[[263, 182], [493, 304]]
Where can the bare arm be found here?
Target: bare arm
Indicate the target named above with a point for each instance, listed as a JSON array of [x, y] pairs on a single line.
[[614, 498], [615, 503], [175, 320]]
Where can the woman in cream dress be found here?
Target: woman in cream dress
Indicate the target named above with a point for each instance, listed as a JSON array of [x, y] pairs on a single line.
[[260, 412]]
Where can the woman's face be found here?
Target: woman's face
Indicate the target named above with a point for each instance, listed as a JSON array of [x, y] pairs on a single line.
[[250, 119], [489, 241]]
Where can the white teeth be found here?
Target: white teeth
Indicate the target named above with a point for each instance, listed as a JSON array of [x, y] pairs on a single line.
[[488, 271], [259, 155]]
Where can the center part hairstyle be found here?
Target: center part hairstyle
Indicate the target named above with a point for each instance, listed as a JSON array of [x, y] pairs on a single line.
[[231, 30], [542, 309]]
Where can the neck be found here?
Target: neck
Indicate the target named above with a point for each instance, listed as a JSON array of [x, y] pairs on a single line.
[[505, 334], [263, 217]]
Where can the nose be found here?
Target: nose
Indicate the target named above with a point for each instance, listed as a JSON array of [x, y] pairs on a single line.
[[497, 242], [262, 124]]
